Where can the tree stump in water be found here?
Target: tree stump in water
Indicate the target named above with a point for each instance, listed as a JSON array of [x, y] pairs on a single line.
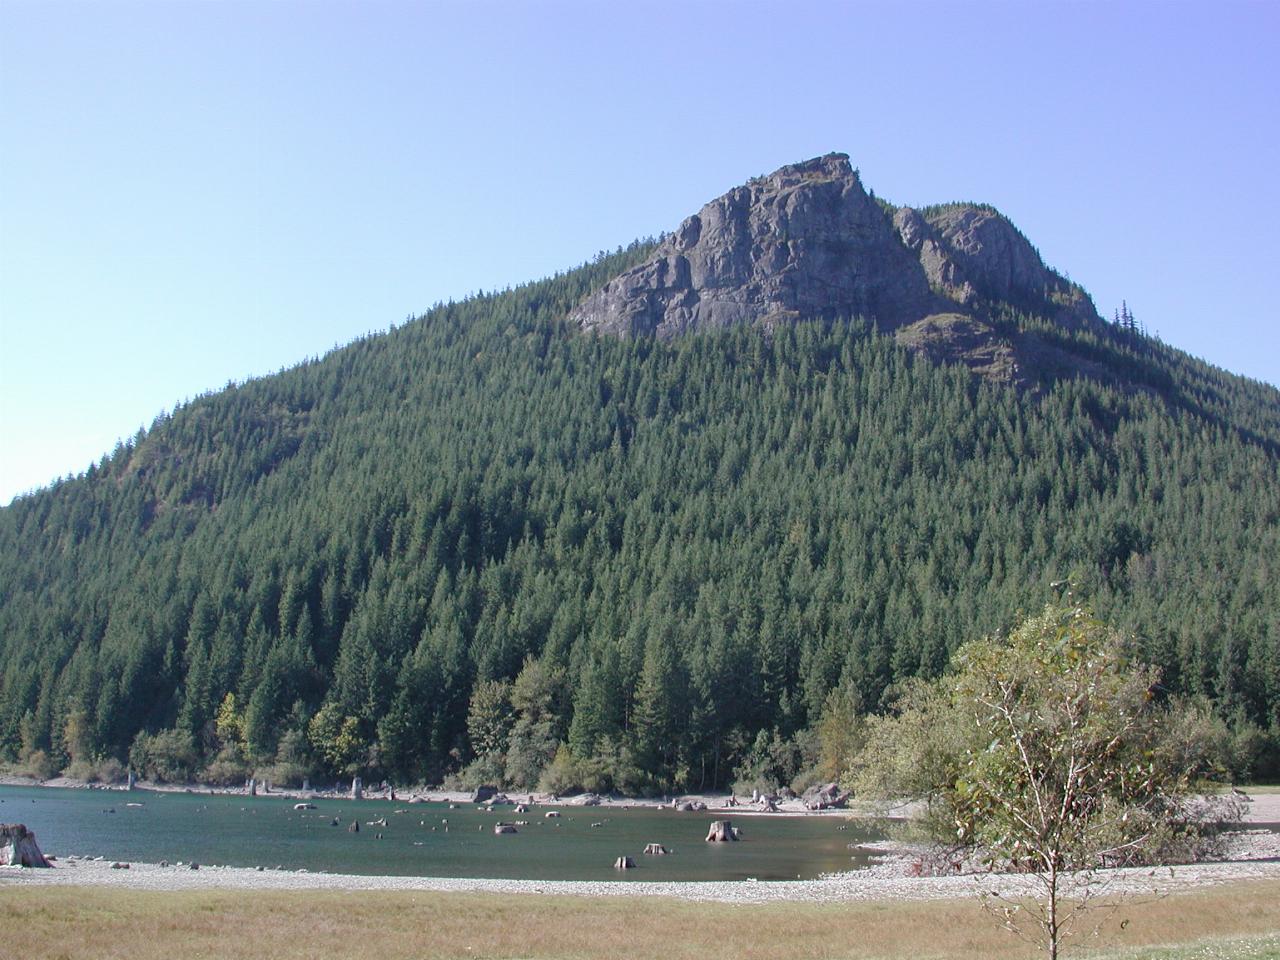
[[18, 847], [624, 863], [655, 849], [722, 831]]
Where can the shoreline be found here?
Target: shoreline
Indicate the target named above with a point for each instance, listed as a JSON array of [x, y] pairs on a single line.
[[887, 881], [1250, 853], [711, 803]]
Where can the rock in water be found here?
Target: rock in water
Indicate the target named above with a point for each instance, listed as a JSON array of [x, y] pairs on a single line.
[[721, 831], [18, 847]]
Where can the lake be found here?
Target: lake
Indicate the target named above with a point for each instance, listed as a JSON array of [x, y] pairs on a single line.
[[427, 839]]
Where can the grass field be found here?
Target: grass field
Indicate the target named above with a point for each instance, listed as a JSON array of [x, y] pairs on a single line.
[[1235, 920]]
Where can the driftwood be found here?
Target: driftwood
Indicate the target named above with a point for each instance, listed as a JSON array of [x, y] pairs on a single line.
[[18, 847]]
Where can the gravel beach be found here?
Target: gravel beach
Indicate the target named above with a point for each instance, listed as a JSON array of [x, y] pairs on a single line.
[[1258, 854]]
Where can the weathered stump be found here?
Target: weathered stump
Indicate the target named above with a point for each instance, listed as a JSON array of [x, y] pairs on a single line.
[[355, 827], [655, 849], [722, 831], [18, 847], [624, 863], [504, 828]]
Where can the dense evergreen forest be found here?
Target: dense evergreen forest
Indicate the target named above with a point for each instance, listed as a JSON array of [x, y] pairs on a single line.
[[484, 546]]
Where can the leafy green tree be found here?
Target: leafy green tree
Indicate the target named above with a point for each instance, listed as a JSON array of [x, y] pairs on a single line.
[[1047, 751]]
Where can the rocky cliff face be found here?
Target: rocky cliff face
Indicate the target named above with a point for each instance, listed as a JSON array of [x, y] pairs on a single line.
[[807, 241], [974, 256]]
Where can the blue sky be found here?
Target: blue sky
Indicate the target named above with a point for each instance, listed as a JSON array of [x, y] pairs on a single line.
[[198, 192]]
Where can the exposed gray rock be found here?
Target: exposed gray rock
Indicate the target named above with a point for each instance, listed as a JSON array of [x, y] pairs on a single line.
[[484, 794], [808, 242], [805, 241], [18, 847], [971, 254]]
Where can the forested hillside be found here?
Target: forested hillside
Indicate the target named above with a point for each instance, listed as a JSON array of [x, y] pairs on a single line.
[[488, 544]]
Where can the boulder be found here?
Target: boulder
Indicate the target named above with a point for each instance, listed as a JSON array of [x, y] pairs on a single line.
[[484, 794], [821, 796], [722, 831], [18, 847]]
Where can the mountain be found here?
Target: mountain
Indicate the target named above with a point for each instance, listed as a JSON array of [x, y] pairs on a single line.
[[670, 519], [808, 242]]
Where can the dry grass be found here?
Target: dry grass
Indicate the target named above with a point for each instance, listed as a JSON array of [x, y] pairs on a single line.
[[140, 925]]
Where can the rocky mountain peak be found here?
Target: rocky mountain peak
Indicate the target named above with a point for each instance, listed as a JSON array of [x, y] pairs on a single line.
[[807, 241], [803, 241]]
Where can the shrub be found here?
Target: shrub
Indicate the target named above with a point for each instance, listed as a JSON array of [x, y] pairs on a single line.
[[166, 757]]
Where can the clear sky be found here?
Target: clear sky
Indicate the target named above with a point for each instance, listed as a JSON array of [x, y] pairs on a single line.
[[198, 192]]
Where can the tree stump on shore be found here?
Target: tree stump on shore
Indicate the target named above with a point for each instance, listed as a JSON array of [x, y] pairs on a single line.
[[18, 847]]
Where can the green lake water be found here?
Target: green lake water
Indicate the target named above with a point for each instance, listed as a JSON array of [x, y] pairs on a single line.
[[581, 844]]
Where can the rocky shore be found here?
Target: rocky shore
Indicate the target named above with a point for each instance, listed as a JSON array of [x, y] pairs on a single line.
[[1248, 854], [888, 881]]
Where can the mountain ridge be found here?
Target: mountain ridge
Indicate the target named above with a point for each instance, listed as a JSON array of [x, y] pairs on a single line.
[[808, 241], [486, 545]]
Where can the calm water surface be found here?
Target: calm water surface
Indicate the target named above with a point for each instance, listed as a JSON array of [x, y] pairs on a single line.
[[579, 845]]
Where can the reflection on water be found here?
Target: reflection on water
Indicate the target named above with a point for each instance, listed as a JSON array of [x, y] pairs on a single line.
[[427, 839]]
